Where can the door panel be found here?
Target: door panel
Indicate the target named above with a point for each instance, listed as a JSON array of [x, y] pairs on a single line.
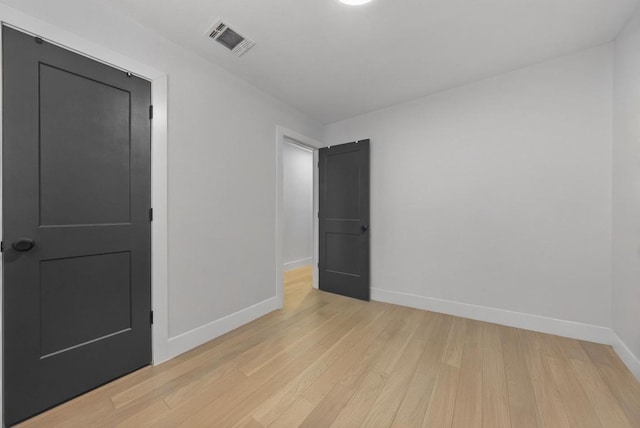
[[95, 289], [343, 253], [76, 180], [343, 186], [344, 220], [94, 188]]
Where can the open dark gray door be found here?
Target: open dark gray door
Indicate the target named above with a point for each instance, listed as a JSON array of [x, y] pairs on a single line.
[[344, 220], [76, 231]]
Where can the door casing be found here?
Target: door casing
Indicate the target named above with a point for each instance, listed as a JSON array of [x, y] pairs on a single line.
[[159, 227]]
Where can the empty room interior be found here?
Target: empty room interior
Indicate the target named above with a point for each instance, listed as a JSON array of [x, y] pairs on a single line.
[[320, 213]]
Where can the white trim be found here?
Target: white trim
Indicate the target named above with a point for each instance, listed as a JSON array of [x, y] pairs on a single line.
[[296, 264], [196, 337], [625, 354], [159, 231], [160, 224], [575, 330], [1, 238], [291, 142], [316, 220], [283, 133]]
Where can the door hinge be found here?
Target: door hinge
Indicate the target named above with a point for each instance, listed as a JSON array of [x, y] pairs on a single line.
[[151, 317], [1, 246], [150, 215], [150, 112]]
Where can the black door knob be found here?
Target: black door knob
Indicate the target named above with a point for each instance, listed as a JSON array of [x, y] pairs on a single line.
[[364, 228], [23, 244]]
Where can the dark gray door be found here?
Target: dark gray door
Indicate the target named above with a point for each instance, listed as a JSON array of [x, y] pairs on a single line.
[[76, 231], [344, 220]]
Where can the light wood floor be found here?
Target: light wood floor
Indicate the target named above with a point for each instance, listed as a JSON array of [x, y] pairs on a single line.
[[326, 360]]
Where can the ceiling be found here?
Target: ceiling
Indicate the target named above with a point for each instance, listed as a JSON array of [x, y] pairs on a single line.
[[333, 61]]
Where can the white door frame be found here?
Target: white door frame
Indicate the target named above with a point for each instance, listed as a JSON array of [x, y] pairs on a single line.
[[283, 133], [159, 228]]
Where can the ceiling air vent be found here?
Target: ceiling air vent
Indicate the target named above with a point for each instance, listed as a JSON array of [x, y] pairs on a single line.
[[230, 38]]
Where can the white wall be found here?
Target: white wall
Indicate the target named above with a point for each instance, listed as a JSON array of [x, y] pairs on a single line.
[[626, 189], [498, 195], [221, 171], [297, 197]]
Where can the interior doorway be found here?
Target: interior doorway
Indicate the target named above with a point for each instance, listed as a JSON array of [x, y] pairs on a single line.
[[297, 210], [297, 199], [297, 233]]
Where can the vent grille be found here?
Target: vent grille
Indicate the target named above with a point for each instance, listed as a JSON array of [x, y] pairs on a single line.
[[230, 38], [217, 31]]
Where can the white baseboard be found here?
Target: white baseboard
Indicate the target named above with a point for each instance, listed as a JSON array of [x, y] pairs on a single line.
[[571, 329], [298, 263], [196, 337], [575, 330], [627, 357]]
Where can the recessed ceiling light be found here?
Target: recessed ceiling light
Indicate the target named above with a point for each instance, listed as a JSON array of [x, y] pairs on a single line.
[[354, 2]]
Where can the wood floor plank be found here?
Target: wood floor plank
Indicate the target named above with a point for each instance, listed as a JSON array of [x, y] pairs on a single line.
[[388, 402], [375, 396], [198, 368], [601, 398], [362, 400], [571, 348], [294, 415], [367, 381], [495, 395], [579, 409], [325, 359], [601, 354], [149, 415], [625, 389], [264, 354], [203, 386], [549, 403], [522, 402], [442, 403], [358, 338], [443, 399], [204, 379], [248, 422], [66, 416], [275, 375], [468, 407], [234, 390], [394, 349], [348, 370], [618, 378], [416, 400], [455, 343], [325, 412]]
